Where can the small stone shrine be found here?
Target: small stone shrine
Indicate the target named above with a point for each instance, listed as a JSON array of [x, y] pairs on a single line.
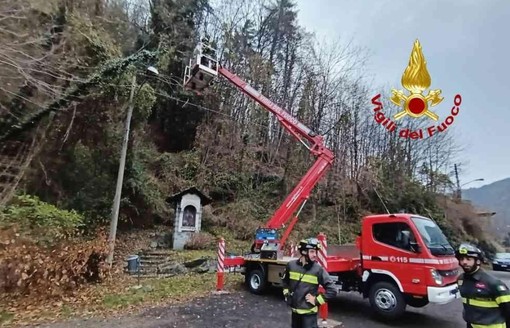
[[188, 214]]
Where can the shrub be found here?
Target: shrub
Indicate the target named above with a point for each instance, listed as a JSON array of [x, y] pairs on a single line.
[[42, 221], [27, 268], [200, 240], [43, 253]]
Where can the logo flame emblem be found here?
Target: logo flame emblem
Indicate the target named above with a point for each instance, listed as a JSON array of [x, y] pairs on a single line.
[[416, 79]]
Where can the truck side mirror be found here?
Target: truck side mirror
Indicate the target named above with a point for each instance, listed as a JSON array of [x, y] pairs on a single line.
[[414, 247], [408, 242]]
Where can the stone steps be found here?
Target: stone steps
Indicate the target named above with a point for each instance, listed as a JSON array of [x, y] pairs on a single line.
[[155, 256], [156, 252], [152, 261], [160, 264]]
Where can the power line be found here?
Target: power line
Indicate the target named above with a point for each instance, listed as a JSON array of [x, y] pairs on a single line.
[[173, 82]]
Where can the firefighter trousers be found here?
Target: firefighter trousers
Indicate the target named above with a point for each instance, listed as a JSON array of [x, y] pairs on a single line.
[[304, 320]]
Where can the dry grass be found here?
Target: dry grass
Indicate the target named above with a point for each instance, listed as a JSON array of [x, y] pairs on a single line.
[[119, 293]]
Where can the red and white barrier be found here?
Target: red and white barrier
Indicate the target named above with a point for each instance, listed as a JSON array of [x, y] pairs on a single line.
[[220, 271], [293, 250], [322, 259]]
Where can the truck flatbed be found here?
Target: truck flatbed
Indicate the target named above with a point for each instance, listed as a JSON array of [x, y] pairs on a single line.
[[343, 258]]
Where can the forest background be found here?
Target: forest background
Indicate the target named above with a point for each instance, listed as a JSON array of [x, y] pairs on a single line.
[[65, 79]]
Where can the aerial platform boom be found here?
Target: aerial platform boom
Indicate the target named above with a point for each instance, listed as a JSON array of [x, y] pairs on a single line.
[[200, 73]]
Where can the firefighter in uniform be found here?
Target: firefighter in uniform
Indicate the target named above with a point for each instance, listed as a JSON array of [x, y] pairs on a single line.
[[485, 298], [301, 281]]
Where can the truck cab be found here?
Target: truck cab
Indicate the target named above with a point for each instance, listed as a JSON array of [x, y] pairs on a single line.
[[406, 260]]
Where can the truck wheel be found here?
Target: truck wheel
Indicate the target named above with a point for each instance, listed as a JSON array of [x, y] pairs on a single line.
[[386, 300], [256, 281]]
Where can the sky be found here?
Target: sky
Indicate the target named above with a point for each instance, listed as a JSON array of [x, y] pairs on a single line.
[[467, 49]]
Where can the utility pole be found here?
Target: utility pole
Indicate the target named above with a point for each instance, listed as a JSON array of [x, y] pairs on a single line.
[[120, 176], [458, 193]]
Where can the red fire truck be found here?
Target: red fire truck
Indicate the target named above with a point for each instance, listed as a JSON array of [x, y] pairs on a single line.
[[398, 259]]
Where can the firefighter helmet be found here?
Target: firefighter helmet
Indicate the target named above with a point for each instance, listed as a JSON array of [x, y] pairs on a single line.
[[310, 243], [469, 250]]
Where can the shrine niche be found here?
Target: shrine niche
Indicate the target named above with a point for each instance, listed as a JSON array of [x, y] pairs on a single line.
[[188, 214], [189, 217]]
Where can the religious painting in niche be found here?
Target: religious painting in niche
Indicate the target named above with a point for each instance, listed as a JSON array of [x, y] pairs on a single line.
[[189, 217]]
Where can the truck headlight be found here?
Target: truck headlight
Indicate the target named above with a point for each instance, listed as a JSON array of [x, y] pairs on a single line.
[[438, 279]]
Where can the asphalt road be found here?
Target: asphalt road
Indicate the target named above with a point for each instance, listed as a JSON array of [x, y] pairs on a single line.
[[245, 310], [352, 312]]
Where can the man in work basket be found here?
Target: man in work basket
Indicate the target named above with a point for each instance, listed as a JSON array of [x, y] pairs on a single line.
[[301, 281]]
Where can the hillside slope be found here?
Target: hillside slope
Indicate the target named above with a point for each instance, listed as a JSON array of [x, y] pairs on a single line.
[[494, 197]]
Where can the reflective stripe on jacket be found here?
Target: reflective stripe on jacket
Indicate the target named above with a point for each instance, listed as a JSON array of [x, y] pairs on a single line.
[[299, 280], [486, 300]]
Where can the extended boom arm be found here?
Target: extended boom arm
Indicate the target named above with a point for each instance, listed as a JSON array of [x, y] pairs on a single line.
[[301, 132], [198, 76]]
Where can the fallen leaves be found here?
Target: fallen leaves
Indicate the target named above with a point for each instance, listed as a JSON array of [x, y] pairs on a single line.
[[118, 294], [29, 269], [35, 278], [55, 284]]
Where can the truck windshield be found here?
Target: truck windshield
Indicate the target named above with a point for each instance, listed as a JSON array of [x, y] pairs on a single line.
[[433, 237]]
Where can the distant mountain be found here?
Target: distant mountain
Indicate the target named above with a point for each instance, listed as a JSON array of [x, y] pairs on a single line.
[[494, 197]]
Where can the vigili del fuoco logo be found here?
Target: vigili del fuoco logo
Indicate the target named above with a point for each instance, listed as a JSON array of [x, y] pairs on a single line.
[[414, 103]]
